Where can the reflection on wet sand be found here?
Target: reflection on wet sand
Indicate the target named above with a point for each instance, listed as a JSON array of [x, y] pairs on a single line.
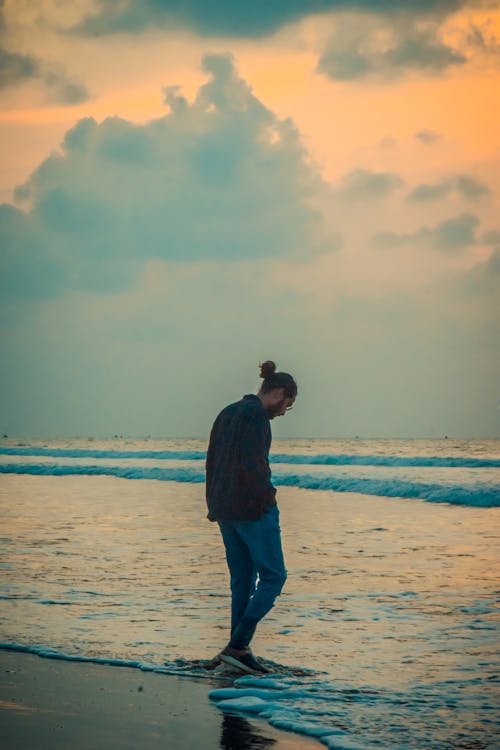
[[238, 734]]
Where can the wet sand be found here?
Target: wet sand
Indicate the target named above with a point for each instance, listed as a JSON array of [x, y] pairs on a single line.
[[47, 703]]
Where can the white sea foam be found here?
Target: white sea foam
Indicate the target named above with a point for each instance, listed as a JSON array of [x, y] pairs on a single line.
[[292, 710], [482, 494]]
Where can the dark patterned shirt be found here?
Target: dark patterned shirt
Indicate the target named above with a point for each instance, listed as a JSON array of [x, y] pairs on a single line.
[[238, 477]]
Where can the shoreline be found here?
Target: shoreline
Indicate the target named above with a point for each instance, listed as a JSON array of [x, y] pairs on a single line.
[[59, 704]]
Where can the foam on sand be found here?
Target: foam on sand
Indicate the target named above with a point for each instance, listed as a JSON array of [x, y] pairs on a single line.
[[290, 710]]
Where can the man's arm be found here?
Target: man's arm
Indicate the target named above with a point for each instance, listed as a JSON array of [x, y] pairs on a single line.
[[209, 468], [255, 470]]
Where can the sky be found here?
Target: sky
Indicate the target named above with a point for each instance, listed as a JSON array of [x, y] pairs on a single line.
[[189, 188]]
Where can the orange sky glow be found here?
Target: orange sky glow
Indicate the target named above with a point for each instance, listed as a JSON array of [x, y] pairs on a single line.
[[369, 236]]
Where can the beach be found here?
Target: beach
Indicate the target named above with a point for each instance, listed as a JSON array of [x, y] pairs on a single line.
[[48, 703], [386, 634]]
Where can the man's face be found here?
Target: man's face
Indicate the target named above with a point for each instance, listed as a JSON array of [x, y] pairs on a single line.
[[280, 407]]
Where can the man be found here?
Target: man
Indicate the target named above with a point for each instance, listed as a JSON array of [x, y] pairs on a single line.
[[241, 498]]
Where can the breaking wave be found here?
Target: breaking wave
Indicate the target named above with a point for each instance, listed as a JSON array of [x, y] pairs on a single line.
[[278, 458], [481, 495], [93, 453]]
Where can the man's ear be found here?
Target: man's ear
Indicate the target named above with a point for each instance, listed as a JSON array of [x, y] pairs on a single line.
[[280, 394]]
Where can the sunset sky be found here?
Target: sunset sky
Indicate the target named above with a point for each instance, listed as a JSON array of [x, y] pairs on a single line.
[[189, 187]]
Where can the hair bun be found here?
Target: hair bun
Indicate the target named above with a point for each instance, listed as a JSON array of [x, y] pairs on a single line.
[[267, 369]]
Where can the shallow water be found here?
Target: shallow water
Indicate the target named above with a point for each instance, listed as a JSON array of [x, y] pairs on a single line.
[[392, 602]]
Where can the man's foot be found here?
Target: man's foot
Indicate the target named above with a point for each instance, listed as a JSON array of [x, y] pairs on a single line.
[[243, 660], [211, 663]]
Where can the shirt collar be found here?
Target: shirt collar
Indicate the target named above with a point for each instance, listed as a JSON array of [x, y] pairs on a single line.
[[254, 397]]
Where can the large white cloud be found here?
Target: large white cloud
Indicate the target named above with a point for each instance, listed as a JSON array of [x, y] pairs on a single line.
[[219, 178]]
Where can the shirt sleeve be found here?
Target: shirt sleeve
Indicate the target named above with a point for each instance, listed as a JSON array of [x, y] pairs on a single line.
[[209, 468], [255, 470]]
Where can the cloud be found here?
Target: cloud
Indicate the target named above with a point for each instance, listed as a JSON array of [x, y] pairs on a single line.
[[233, 19], [63, 89], [456, 233], [484, 278], [451, 235], [425, 192], [427, 137], [386, 48], [27, 267], [465, 185], [492, 265], [482, 38], [491, 237], [219, 179], [468, 187], [17, 68], [361, 184], [388, 142]]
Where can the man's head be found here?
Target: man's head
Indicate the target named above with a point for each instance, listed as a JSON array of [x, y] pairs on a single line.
[[278, 391]]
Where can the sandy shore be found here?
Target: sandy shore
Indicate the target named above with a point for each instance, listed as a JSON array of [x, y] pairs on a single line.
[[48, 703]]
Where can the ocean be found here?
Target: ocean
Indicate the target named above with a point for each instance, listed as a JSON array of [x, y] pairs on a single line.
[[385, 634]]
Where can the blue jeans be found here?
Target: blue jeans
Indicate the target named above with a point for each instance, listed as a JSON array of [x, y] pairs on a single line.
[[253, 548]]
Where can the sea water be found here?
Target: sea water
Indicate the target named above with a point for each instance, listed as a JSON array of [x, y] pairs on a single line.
[[390, 608]]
